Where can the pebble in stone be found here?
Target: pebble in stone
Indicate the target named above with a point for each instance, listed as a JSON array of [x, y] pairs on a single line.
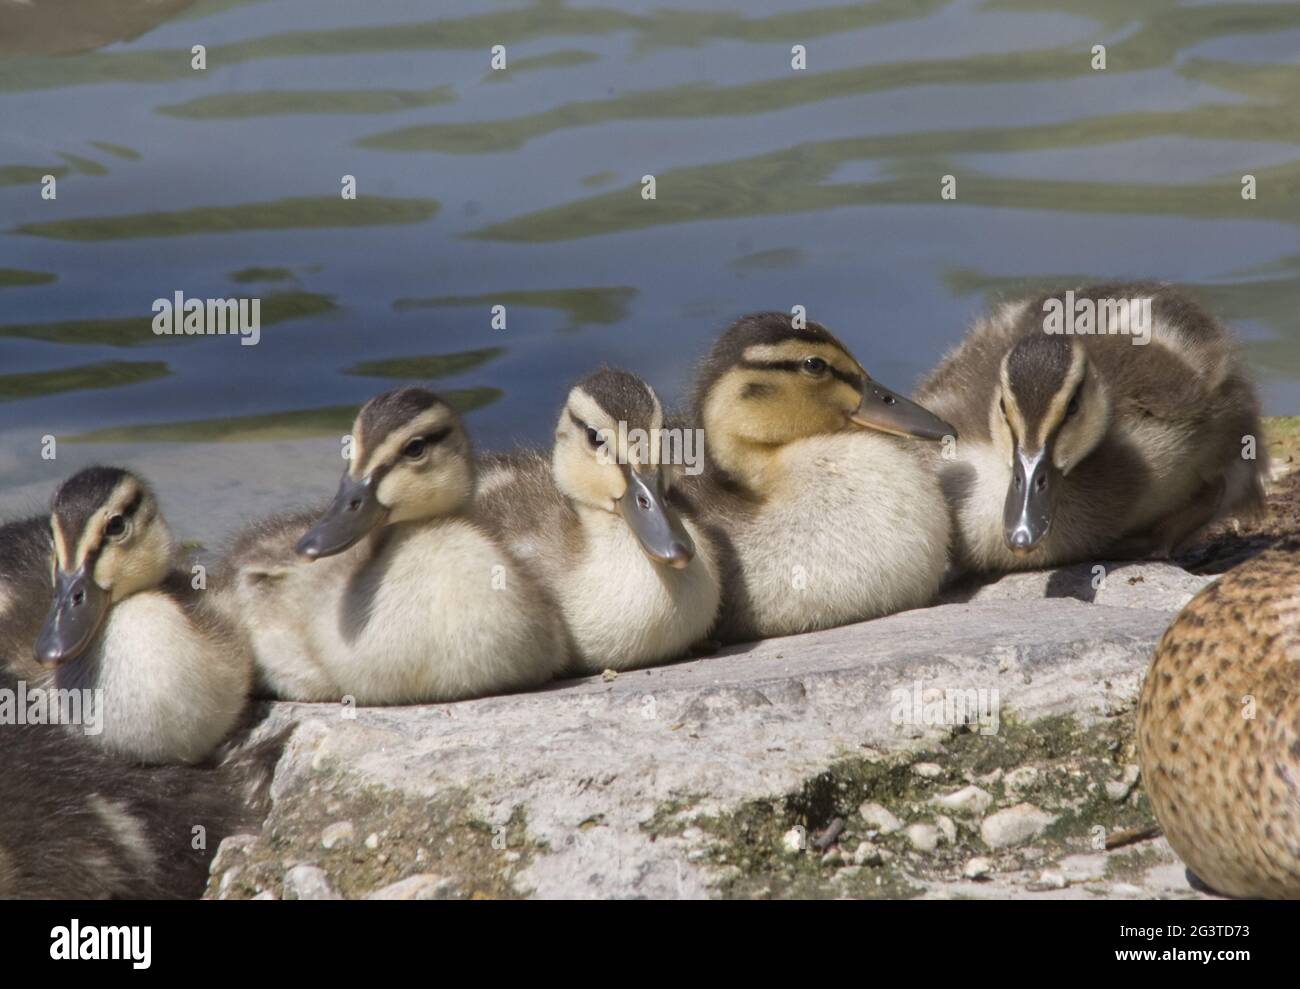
[[792, 841], [977, 868], [372, 840], [309, 882], [947, 828], [423, 886], [1019, 780], [1014, 826], [967, 800], [928, 770], [1048, 880], [879, 817], [833, 857], [866, 854], [339, 833], [1118, 790], [924, 837]]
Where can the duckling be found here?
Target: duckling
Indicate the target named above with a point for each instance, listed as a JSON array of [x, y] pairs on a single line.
[[76, 823], [637, 583], [1086, 445], [395, 594], [26, 554], [1218, 730], [126, 621], [822, 519]]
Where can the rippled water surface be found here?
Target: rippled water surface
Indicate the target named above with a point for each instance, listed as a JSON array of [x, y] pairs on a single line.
[[521, 188]]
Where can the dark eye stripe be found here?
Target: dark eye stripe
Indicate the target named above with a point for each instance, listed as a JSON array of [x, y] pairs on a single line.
[[852, 380]]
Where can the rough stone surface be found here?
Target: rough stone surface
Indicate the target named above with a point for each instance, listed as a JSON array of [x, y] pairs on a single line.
[[630, 787]]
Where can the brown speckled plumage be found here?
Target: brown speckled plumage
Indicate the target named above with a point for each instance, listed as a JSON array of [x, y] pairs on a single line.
[[1226, 787]]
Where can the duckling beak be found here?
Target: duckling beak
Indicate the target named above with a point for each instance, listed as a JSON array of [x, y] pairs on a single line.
[[654, 522], [76, 614], [354, 512], [1027, 515], [890, 412]]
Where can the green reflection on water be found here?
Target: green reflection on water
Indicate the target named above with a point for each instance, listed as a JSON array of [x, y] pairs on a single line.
[[582, 306], [136, 331], [660, 28], [301, 213], [426, 366], [107, 374], [117, 150], [330, 420], [777, 257], [246, 275], [282, 102], [13, 277], [565, 58], [794, 180], [23, 174]]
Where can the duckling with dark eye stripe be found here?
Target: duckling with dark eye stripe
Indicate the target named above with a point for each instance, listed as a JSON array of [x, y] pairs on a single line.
[[395, 594], [1090, 445], [823, 519], [637, 581], [125, 619]]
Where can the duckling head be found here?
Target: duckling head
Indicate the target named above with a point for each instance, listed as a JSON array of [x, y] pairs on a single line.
[[410, 461], [1049, 411], [768, 382], [608, 456], [110, 541]]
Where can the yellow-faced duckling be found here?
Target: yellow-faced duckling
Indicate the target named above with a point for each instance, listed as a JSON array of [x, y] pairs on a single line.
[[637, 582], [395, 594], [824, 519], [1079, 441], [1218, 729], [125, 620]]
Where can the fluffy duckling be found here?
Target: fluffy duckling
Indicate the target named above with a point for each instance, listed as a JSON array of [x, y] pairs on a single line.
[[395, 594], [78, 824], [637, 582], [1086, 445], [824, 520], [26, 551], [124, 620], [1218, 729]]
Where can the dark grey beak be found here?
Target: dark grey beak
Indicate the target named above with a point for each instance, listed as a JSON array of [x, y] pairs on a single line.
[[77, 612], [1027, 516], [654, 522], [890, 412], [354, 513]]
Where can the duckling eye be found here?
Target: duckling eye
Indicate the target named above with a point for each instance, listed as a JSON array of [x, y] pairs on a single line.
[[115, 527], [414, 449], [1002, 407], [814, 365], [593, 437], [1072, 408]]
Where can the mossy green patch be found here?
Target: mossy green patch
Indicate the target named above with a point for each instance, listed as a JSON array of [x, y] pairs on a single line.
[[563, 59], [1073, 764]]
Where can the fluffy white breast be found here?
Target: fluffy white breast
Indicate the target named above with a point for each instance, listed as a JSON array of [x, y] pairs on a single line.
[[624, 611], [855, 528]]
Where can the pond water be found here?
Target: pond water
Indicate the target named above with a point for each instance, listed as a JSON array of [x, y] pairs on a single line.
[[775, 187]]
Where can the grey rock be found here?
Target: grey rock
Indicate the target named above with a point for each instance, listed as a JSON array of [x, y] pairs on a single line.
[[339, 833], [1014, 826], [591, 795], [879, 817], [968, 800], [308, 882], [923, 837], [419, 887]]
